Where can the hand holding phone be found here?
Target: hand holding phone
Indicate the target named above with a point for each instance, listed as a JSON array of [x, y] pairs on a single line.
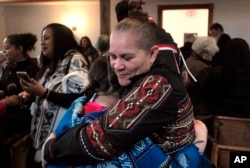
[[23, 75]]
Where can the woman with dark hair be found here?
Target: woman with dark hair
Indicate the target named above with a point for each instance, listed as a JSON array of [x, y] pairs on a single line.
[[230, 81], [15, 49], [88, 49], [102, 91], [62, 78], [15, 119], [63, 41]]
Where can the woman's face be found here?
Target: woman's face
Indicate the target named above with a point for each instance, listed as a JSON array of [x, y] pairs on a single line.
[[85, 43], [47, 42], [126, 59], [11, 52]]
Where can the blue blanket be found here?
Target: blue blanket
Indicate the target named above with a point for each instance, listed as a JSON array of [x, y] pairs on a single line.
[[143, 154]]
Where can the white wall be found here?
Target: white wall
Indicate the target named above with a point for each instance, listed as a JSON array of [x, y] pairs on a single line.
[[32, 18], [233, 15]]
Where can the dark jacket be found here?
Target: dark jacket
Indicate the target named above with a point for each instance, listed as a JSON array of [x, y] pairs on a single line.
[[156, 105], [201, 70], [16, 119], [221, 43], [230, 91], [230, 94]]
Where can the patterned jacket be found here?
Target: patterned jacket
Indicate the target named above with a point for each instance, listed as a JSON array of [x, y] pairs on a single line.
[[69, 77], [156, 105]]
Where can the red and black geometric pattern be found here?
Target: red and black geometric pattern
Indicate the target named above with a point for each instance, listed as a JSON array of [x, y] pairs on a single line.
[[124, 114]]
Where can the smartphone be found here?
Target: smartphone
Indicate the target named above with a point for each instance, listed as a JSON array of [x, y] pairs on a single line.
[[23, 75]]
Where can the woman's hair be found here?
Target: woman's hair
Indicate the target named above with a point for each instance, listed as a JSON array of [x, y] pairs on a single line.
[[103, 43], [102, 78], [204, 45], [24, 40], [142, 30], [88, 39], [90, 51], [63, 41], [236, 58]]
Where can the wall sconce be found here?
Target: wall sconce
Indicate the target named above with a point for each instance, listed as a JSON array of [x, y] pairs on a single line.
[[73, 21], [74, 27]]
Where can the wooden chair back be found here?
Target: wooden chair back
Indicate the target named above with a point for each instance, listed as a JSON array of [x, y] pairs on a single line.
[[230, 134]]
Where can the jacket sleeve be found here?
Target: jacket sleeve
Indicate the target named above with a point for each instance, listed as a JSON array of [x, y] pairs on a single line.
[[63, 99], [73, 83], [138, 115]]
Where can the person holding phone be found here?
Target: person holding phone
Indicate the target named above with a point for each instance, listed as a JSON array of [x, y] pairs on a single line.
[[16, 119], [61, 79]]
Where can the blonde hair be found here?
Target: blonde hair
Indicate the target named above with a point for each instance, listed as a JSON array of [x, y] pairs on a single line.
[[204, 45]]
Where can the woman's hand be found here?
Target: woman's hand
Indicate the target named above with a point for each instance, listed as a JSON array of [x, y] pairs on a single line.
[[13, 100], [33, 87], [24, 96], [44, 162]]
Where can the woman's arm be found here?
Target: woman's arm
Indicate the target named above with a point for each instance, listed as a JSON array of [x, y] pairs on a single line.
[[13, 100], [37, 89], [63, 99], [201, 134], [129, 121]]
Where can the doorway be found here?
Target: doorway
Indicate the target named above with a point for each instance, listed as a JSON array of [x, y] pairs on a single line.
[[180, 20]]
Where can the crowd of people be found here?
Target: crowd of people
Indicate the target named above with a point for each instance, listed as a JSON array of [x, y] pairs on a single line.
[[217, 82], [129, 101], [220, 82]]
